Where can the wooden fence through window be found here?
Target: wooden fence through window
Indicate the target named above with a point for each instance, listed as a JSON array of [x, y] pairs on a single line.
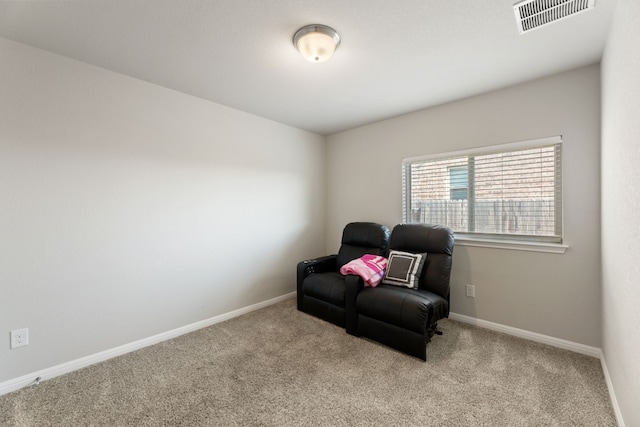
[[522, 217]]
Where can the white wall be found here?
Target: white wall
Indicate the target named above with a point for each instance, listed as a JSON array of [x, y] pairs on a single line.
[[128, 209], [552, 294], [620, 207]]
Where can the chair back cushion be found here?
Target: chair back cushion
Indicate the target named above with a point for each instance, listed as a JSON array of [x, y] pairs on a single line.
[[360, 238], [434, 240]]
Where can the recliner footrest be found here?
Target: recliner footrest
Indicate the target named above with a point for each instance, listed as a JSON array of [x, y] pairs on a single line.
[[412, 309]]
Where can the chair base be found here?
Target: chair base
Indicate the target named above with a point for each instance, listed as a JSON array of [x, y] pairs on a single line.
[[323, 310], [401, 339]]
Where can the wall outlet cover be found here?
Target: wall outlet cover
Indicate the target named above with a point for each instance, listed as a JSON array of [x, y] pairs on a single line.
[[471, 291], [19, 338]]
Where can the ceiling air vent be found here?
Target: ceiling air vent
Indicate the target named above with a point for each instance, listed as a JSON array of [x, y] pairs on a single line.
[[532, 14]]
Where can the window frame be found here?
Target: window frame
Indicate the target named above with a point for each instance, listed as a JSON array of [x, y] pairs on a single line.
[[500, 241]]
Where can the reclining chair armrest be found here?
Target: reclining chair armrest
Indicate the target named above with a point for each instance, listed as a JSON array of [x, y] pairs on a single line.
[[354, 284], [310, 266], [320, 265]]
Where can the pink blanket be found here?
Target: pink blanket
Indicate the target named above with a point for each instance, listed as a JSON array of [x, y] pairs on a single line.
[[370, 267]]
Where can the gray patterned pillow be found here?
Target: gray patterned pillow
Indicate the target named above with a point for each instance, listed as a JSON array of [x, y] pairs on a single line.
[[404, 269]]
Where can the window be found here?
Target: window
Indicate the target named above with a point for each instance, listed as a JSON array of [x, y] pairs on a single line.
[[510, 191], [458, 183]]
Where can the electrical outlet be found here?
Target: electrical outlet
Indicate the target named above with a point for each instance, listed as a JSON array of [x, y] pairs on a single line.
[[471, 291], [19, 338]]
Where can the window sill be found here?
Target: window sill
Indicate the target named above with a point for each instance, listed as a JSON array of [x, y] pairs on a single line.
[[552, 248]]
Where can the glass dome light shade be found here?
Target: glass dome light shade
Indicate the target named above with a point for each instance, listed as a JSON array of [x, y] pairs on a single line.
[[316, 43]]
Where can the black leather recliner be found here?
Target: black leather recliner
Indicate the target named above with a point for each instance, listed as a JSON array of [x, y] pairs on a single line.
[[321, 289], [405, 318]]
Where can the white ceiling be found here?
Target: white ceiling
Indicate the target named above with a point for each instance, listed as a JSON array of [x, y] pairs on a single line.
[[395, 56]]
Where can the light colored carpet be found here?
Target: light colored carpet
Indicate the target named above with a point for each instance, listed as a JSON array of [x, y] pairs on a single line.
[[281, 367]]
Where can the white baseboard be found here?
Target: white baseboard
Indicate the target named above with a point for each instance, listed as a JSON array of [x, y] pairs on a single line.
[[64, 368], [612, 394], [531, 336], [554, 342]]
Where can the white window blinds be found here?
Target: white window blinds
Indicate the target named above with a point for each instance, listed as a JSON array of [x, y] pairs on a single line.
[[510, 191]]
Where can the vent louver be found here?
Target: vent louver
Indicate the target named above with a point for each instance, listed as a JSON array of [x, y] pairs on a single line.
[[532, 14]]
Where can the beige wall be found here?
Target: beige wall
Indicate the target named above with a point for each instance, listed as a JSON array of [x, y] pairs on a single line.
[[620, 207], [552, 294], [129, 210]]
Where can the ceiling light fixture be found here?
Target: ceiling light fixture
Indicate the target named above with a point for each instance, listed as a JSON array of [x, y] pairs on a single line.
[[316, 42]]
